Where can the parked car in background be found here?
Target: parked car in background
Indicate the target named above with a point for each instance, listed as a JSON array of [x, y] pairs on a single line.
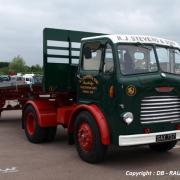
[[7, 81], [4, 78], [32, 79], [17, 80]]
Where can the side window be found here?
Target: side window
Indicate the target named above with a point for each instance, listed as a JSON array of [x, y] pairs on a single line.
[[92, 53], [108, 60]]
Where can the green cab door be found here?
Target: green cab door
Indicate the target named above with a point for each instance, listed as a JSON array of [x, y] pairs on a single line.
[[97, 82], [90, 78], [97, 77]]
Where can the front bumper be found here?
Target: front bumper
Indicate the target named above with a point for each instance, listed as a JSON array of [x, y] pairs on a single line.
[[140, 139]]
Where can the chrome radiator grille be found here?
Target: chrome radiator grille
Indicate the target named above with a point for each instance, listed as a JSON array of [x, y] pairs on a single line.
[[156, 109]]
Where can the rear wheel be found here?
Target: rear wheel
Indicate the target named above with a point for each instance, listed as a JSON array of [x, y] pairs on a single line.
[[33, 131], [87, 139], [163, 147]]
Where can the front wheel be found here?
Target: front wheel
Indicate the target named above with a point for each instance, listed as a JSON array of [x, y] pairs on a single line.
[[163, 147], [88, 139]]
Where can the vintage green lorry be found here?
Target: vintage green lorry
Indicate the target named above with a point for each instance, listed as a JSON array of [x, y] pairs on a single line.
[[107, 89]]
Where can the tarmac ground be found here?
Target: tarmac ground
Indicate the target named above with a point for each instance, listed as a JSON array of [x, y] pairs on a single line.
[[22, 160]]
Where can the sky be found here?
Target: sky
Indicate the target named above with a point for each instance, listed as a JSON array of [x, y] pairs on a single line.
[[22, 22]]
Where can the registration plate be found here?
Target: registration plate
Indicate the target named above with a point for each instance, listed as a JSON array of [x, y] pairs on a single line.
[[166, 137]]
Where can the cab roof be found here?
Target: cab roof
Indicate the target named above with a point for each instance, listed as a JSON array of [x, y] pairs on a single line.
[[136, 39]]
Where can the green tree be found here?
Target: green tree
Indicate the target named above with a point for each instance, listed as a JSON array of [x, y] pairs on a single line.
[[4, 64], [4, 68], [4, 71], [27, 69], [37, 69], [17, 65]]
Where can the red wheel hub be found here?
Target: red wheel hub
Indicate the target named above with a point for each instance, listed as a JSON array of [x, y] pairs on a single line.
[[85, 136], [30, 124]]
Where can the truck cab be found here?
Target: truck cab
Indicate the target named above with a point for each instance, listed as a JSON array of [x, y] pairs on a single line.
[[135, 82], [107, 89]]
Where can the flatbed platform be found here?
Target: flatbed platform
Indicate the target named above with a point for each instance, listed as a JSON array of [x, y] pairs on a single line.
[[19, 92]]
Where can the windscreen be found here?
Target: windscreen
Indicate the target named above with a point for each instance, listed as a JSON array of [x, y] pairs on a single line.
[[136, 59], [169, 59]]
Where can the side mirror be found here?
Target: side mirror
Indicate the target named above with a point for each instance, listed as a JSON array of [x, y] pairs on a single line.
[[87, 53]]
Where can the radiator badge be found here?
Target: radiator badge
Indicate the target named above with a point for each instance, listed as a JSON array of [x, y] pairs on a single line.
[[131, 90]]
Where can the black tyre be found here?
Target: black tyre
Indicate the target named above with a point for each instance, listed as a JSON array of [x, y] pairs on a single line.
[[87, 138], [163, 147], [33, 131], [50, 134]]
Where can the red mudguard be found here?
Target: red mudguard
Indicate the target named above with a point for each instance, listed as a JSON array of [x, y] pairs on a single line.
[[46, 112], [98, 116]]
